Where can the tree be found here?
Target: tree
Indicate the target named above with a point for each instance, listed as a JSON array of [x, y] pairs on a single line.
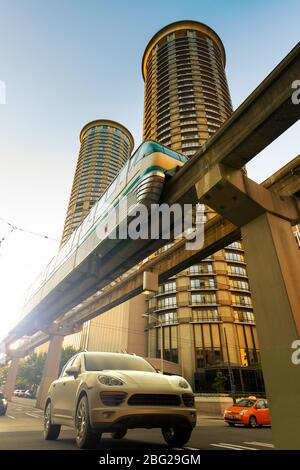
[[3, 374], [31, 368], [30, 371], [66, 354], [219, 382]]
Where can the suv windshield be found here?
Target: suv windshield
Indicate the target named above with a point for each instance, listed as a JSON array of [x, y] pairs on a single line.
[[95, 361], [245, 402]]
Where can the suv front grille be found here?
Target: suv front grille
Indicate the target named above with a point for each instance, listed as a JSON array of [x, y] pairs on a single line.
[[113, 398], [151, 399], [188, 399]]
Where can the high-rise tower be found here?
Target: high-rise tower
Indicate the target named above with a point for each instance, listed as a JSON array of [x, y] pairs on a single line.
[[186, 92], [207, 309], [105, 147]]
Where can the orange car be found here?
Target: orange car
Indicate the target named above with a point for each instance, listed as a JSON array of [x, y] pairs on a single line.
[[249, 411]]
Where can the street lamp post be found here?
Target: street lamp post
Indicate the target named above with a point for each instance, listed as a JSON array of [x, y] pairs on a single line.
[[161, 339], [230, 372]]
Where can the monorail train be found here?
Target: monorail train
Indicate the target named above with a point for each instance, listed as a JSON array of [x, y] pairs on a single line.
[[77, 261]]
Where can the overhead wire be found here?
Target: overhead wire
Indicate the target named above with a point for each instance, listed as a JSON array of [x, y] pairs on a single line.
[[20, 229]]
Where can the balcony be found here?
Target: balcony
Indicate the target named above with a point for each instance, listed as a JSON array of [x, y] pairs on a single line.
[[206, 302], [206, 319], [167, 292], [241, 305], [201, 272], [165, 307], [245, 320], [203, 287]]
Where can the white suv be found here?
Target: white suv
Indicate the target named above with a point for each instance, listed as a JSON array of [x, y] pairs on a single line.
[[110, 392]]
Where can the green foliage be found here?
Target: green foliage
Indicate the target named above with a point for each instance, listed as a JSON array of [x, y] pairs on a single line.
[[30, 371], [31, 368], [66, 354], [219, 382], [3, 374]]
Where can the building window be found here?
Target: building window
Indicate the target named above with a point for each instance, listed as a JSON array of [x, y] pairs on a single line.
[[191, 34], [204, 299], [208, 350], [203, 283], [167, 317], [237, 284], [170, 343], [201, 268], [167, 302], [234, 257], [244, 316], [205, 315], [171, 37], [167, 287], [239, 270], [235, 245], [241, 300]]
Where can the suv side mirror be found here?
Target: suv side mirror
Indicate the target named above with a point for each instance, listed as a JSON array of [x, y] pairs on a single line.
[[72, 370]]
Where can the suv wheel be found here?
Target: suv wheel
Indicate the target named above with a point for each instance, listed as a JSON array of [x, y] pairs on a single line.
[[177, 435], [86, 437], [119, 434], [51, 431], [252, 422]]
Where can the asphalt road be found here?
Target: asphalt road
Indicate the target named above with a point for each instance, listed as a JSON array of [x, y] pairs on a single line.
[[22, 428]]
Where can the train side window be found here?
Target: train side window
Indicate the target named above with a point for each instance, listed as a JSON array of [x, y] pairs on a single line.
[[123, 173]]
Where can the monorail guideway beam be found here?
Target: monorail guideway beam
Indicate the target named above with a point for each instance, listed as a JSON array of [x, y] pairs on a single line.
[[273, 262]]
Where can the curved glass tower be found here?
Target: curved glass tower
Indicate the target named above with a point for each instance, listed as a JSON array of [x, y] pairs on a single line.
[[105, 147], [186, 91]]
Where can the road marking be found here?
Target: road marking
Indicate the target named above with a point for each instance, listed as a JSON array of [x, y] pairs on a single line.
[[262, 444], [19, 409], [241, 447], [232, 446], [11, 417], [225, 447], [184, 448], [34, 416], [190, 448]]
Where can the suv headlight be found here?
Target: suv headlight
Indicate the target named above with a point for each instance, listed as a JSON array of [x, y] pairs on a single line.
[[183, 384], [109, 380]]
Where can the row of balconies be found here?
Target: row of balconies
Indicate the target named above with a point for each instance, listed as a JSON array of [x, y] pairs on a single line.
[[198, 319]]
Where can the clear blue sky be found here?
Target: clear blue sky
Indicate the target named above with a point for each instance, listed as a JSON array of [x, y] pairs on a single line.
[[70, 61]]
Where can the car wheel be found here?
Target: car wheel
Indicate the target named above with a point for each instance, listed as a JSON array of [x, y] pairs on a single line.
[[86, 437], [252, 422], [51, 431], [119, 434], [177, 435]]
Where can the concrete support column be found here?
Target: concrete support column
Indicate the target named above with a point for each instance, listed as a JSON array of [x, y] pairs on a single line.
[[11, 378], [273, 261], [51, 368]]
